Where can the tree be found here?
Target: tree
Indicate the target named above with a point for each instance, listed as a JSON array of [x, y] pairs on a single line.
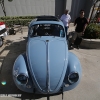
[[3, 6], [95, 1]]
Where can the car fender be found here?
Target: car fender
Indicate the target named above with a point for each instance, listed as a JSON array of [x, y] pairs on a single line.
[[20, 67], [73, 66]]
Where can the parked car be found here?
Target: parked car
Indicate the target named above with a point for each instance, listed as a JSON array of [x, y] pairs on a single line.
[[47, 66], [3, 32]]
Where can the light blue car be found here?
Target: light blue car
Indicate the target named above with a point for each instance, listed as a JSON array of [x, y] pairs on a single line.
[[47, 66]]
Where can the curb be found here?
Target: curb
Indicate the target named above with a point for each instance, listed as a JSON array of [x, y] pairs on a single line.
[[86, 43], [91, 43]]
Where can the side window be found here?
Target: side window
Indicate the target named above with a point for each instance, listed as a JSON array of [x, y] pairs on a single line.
[[33, 30]]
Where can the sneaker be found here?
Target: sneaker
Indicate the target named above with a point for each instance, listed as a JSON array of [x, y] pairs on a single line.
[[71, 46], [77, 46]]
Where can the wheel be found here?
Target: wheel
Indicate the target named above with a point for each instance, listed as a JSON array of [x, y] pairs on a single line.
[[1, 42]]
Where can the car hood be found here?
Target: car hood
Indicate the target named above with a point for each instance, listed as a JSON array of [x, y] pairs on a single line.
[[47, 63]]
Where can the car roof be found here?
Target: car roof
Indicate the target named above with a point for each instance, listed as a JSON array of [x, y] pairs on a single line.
[[46, 19]]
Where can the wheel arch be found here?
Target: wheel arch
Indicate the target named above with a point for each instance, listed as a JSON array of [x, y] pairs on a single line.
[[74, 65]]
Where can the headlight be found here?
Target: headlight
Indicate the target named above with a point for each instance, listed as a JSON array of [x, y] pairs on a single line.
[[73, 77], [23, 79]]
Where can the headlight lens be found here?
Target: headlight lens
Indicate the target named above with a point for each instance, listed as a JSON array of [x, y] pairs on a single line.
[[23, 79], [73, 77]]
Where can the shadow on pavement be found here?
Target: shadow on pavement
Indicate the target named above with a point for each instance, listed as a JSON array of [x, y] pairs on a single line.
[[30, 96], [7, 58]]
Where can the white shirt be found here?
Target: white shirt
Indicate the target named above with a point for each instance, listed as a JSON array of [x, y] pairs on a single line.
[[65, 19]]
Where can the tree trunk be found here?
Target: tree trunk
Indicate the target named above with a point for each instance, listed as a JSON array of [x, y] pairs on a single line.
[[93, 9], [3, 7]]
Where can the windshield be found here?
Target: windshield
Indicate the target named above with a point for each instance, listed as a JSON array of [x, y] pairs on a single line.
[[47, 30]]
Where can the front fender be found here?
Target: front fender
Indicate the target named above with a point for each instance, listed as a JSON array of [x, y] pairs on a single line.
[[20, 67], [73, 66]]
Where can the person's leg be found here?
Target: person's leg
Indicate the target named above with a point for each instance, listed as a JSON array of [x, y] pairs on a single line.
[[79, 35], [66, 29], [74, 37]]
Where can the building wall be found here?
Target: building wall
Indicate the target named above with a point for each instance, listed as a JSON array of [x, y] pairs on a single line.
[[76, 6], [45, 7], [29, 7], [59, 7]]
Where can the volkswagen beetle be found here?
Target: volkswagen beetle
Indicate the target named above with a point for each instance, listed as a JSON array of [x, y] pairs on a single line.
[[47, 66]]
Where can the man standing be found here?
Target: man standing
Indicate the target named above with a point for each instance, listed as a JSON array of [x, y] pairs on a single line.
[[65, 18], [81, 24]]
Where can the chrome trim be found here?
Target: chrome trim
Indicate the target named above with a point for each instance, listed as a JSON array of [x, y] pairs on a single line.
[[24, 75], [15, 71], [70, 74], [48, 77]]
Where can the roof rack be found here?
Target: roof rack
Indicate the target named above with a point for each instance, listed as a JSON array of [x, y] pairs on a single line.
[[47, 18]]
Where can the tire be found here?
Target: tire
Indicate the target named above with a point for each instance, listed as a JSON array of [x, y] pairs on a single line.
[[1, 42]]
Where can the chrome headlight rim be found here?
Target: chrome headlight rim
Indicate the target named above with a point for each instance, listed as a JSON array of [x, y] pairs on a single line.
[[70, 75], [25, 76]]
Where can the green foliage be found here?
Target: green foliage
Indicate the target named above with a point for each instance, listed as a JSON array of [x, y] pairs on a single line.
[[17, 20], [92, 31]]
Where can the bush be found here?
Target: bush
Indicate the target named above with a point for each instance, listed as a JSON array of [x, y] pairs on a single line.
[[92, 31], [16, 20]]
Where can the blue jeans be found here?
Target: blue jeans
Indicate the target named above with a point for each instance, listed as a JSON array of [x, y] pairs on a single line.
[[66, 30]]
